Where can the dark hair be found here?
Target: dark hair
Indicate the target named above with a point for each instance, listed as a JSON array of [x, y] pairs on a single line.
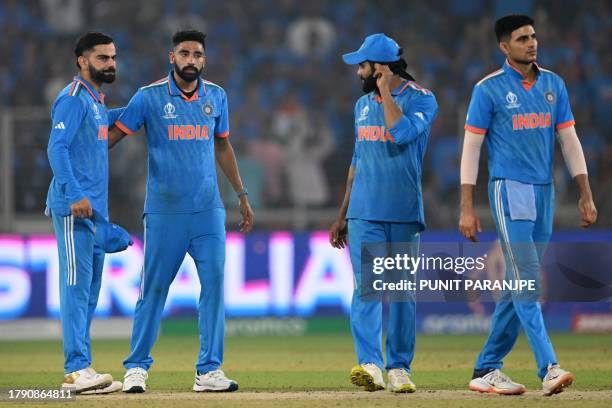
[[506, 25], [398, 67], [189, 35], [89, 40]]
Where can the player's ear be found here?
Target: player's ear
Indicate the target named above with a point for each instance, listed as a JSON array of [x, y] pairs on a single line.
[[504, 47], [83, 62], [171, 57]]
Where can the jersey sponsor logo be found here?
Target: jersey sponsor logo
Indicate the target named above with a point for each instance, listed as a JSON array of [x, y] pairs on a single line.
[[550, 97], [512, 101], [374, 134], [96, 111], [531, 121], [187, 132], [364, 113], [60, 126], [207, 109], [169, 110], [103, 132]]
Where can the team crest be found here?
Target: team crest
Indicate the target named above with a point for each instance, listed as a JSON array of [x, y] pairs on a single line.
[[550, 97], [169, 110], [207, 109], [96, 111], [512, 101]]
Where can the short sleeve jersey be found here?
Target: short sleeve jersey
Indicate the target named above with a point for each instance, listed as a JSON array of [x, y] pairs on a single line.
[[519, 120], [180, 135]]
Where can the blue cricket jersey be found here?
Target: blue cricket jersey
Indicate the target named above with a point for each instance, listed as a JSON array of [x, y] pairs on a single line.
[[519, 120], [182, 175], [388, 162], [78, 148]]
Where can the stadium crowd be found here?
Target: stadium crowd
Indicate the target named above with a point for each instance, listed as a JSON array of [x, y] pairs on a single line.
[[290, 95]]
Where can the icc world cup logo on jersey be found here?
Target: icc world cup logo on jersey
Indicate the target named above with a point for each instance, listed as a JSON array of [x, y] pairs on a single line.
[[169, 110], [512, 101], [96, 111]]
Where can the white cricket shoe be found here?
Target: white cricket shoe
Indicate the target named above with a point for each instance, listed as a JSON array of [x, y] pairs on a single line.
[[85, 380], [400, 381], [496, 382], [135, 379], [214, 381], [556, 380], [369, 376], [114, 387]]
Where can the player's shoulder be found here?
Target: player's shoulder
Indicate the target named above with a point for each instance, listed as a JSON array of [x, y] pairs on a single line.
[[491, 79], [155, 86], [414, 88], [550, 75], [212, 87], [71, 93]]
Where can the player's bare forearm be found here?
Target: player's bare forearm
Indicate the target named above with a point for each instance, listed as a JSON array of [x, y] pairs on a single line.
[[467, 196], [347, 193], [224, 153], [582, 181], [114, 135], [586, 205]]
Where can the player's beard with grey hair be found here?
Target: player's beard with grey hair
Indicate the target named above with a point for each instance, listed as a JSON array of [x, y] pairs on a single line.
[[189, 73]]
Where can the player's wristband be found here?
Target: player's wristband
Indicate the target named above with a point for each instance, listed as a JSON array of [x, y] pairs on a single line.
[[243, 192]]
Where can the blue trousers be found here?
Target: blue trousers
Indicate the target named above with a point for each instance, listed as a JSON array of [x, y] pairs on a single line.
[[524, 227], [167, 239], [366, 316], [80, 264]]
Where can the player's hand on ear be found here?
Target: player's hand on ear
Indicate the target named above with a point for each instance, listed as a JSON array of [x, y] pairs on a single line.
[[588, 212], [383, 76]]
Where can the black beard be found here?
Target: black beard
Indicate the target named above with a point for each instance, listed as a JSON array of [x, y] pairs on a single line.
[[102, 77], [188, 75], [369, 84]]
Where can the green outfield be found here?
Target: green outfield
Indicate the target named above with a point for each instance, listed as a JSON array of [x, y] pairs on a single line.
[[313, 370]]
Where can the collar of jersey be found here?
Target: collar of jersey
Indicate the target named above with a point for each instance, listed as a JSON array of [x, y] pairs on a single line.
[[174, 90], [395, 92], [98, 96], [514, 71]]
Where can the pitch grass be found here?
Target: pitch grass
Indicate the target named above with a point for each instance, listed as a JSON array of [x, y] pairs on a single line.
[[313, 363]]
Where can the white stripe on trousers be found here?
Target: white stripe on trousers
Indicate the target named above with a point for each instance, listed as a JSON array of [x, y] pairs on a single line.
[[501, 218], [144, 257], [70, 255]]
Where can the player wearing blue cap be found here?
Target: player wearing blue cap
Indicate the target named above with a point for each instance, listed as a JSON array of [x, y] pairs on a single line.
[[517, 110], [187, 130], [78, 155], [383, 201]]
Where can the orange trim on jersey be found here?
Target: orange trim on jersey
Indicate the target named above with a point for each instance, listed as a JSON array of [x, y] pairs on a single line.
[[476, 130], [565, 124], [72, 88], [222, 135], [158, 81], [404, 88], [378, 99], [489, 74], [88, 90], [123, 128], [194, 97]]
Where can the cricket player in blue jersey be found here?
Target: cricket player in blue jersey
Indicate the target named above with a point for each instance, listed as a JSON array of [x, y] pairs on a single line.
[[78, 155], [383, 201], [517, 110], [187, 130]]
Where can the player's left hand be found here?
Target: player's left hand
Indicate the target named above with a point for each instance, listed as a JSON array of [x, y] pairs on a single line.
[[588, 212], [383, 76], [247, 214]]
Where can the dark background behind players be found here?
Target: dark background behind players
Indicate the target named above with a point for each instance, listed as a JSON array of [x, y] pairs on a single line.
[[280, 64]]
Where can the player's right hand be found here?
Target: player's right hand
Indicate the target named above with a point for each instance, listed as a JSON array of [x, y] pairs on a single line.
[[81, 209], [338, 234], [469, 224]]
